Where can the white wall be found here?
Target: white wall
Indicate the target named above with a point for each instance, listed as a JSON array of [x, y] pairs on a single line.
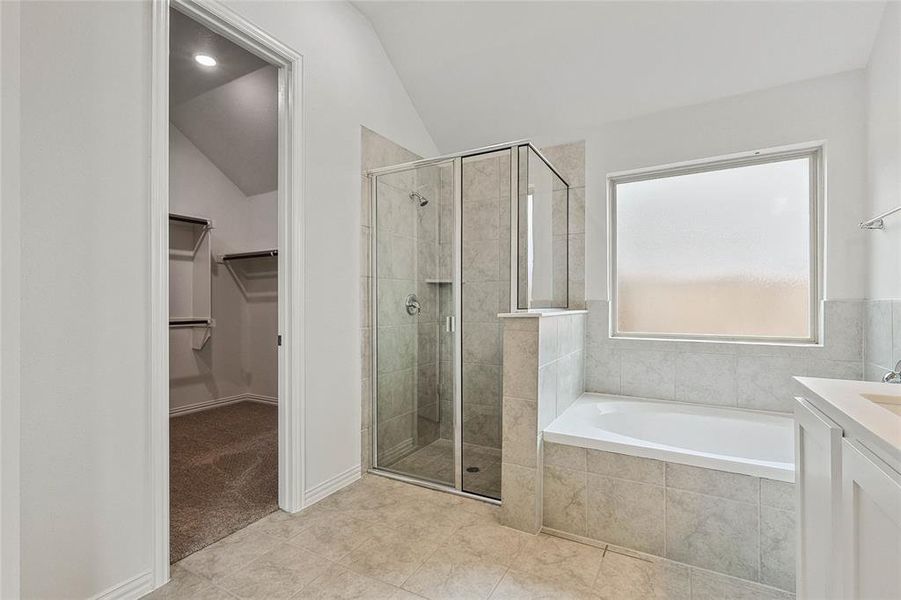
[[9, 300], [348, 82], [241, 355], [829, 108], [85, 290], [261, 319], [85, 263], [883, 80]]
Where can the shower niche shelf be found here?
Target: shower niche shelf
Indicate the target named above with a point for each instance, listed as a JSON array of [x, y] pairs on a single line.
[[190, 277], [439, 281]]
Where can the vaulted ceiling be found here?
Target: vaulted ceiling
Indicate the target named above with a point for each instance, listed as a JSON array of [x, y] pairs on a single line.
[[230, 111], [485, 72]]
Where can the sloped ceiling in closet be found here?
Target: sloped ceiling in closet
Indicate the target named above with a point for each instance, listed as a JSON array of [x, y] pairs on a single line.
[[230, 111]]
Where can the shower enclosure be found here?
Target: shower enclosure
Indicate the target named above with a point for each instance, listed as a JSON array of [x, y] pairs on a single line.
[[456, 241]]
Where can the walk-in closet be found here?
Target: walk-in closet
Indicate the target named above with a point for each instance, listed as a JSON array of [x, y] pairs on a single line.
[[223, 286]]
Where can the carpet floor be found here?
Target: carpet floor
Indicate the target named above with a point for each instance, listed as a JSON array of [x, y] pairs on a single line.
[[223, 473]]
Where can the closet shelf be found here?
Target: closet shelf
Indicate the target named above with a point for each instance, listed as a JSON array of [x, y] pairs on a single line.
[[201, 329], [243, 255], [248, 274], [191, 277], [191, 220], [190, 322]]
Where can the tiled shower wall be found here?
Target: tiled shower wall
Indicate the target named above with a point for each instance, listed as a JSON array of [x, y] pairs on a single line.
[[882, 338], [376, 151], [486, 271], [486, 292], [569, 160], [753, 376]]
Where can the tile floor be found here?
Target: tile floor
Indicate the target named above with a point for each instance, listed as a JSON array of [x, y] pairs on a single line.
[[435, 462], [380, 538]]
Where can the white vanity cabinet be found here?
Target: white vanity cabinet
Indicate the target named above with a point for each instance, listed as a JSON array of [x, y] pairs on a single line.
[[848, 475], [871, 503], [818, 474]]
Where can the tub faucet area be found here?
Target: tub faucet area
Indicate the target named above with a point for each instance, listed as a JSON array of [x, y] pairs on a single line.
[[893, 376]]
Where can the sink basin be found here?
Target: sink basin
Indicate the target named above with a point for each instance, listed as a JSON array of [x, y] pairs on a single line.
[[889, 402]]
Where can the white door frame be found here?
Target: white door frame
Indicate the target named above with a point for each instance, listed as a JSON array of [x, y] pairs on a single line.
[[290, 258]]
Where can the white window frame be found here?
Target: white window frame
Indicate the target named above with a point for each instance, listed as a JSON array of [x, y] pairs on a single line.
[[815, 152]]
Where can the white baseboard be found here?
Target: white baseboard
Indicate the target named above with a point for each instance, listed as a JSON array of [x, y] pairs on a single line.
[[133, 588], [261, 399], [217, 402], [330, 486]]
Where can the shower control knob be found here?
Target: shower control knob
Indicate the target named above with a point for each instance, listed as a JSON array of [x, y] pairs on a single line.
[[411, 302]]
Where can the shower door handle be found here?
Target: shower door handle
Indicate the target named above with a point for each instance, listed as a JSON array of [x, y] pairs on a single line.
[[450, 324]]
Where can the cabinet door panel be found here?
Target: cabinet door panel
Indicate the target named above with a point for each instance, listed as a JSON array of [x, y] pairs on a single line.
[[818, 475], [872, 522]]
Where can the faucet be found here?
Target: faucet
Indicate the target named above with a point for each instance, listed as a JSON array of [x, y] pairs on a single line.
[[893, 376]]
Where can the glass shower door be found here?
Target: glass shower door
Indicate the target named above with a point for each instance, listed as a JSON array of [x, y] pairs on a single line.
[[486, 291], [414, 316]]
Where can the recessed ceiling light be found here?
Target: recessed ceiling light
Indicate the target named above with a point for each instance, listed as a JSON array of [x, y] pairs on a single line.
[[205, 59]]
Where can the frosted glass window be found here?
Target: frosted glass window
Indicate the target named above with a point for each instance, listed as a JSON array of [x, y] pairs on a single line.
[[725, 252]]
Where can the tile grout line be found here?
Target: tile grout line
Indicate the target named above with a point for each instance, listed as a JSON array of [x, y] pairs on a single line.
[[759, 545], [665, 511], [497, 584]]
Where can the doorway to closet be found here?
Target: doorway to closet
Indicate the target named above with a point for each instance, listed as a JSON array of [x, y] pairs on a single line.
[[282, 263], [223, 286]]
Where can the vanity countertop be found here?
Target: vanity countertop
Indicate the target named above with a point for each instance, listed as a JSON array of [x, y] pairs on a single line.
[[871, 411]]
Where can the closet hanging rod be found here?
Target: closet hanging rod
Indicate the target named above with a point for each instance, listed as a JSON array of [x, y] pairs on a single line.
[[187, 322], [190, 220], [876, 222], [242, 255]]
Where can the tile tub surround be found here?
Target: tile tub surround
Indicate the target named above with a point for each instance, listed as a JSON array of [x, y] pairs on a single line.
[[736, 525], [882, 337], [743, 375], [543, 375]]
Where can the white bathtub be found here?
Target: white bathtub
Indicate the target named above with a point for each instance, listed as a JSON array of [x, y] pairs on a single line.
[[726, 439]]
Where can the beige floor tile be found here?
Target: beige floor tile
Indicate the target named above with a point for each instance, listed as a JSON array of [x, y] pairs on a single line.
[[412, 542], [285, 525], [370, 493], [280, 573], [491, 542], [423, 494], [484, 509], [390, 556], [184, 585], [333, 535], [452, 573], [526, 586], [628, 578], [562, 560], [339, 582], [426, 518], [229, 554]]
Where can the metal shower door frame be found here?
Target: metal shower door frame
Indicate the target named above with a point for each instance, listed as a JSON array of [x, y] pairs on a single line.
[[457, 288]]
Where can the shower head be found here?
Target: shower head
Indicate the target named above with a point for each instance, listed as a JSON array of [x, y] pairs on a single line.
[[419, 198]]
